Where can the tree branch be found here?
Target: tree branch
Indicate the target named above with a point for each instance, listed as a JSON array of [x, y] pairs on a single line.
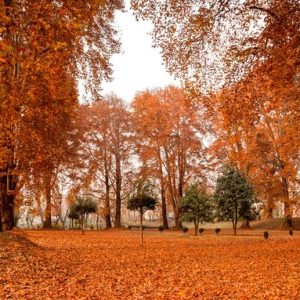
[[265, 10]]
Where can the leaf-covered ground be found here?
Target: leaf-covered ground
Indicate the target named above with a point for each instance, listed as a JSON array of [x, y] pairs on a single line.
[[171, 265]]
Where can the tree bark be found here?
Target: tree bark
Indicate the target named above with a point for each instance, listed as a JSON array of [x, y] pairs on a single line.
[[97, 221], [196, 227], [269, 213], [48, 214], [164, 210], [1, 228], [7, 181], [163, 190], [118, 191], [234, 224], [142, 230], [7, 201], [8, 212], [107, 203], [82, 223]]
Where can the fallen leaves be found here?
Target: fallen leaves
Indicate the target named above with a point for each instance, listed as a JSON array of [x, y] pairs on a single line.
[[112, 265]]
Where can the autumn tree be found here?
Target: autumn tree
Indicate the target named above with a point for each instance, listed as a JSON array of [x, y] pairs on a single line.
[[234, 197], [207, 42], [108, 150], [45, 49], [252, 50], [168, 131]]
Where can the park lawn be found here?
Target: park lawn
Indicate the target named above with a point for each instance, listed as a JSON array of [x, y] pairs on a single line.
[[112, 265]]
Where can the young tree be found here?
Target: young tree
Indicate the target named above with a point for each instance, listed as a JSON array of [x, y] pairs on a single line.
[[234, 197], [142, 202], [82, 206], [196, 206]]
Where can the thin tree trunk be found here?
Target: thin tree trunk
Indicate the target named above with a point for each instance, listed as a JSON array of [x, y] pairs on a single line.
[[269, 213], [285, 190], [118, 192], [82, 223], [142, 230], [163, 192], [107, 202], [48, 214], [234, 224], [196, 227], [85, 221], [97, 220]]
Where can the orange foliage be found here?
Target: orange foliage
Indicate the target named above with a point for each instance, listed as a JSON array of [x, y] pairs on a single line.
[[168, 140], [41, 47], [247, 55], [113, 265]]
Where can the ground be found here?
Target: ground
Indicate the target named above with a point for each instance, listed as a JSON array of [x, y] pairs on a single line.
[[171, 265]]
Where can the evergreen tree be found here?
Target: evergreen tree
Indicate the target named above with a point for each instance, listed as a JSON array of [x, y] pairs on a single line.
[[234, 197], [81, 208], [196, 206]]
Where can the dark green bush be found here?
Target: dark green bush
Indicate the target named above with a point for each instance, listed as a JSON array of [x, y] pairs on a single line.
[[217, 231], [161, 228]]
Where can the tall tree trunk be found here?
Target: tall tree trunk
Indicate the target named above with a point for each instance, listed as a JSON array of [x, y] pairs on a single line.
[[163, 190], [1, 228], [142, 229], [97, 220], [48, 214], [178, 223], [118, 191], [107, 203], [7, 212], [269, 213], [7, 201], [164, 209], [288, 208], [82, 223], [7, 181]]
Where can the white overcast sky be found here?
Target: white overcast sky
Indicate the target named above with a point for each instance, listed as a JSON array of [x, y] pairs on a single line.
[[139, 66]]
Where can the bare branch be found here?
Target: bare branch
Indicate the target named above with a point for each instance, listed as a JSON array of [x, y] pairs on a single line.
[[274, 15]]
